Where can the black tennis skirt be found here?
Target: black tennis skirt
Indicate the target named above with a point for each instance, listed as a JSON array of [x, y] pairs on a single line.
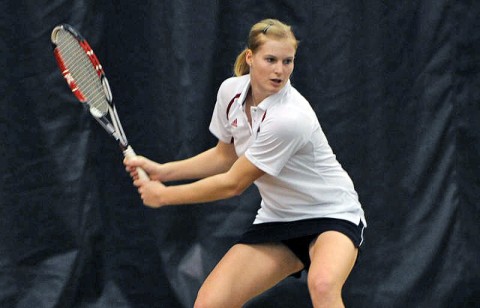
[[297, 235]]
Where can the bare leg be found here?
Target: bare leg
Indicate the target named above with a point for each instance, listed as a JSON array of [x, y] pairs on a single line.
[[244, 272], [333, 256]]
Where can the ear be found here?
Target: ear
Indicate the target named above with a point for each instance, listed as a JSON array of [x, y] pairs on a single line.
[[248, 57]]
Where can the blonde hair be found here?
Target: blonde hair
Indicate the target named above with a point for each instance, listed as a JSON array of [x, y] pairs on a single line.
[[267, 28]]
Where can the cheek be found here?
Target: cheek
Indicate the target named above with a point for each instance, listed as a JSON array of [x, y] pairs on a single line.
[[258, 69], [291, 68], [289, 72]]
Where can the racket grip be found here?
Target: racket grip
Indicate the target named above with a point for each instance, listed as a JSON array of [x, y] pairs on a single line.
[[129, 152]]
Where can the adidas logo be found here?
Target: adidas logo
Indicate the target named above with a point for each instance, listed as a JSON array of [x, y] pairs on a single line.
[[234, 123]]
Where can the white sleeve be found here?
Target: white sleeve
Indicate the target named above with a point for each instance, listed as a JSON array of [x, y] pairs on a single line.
[[219, 125]]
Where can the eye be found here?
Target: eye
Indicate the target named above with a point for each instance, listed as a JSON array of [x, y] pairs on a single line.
[[270, 59], [288, 61]]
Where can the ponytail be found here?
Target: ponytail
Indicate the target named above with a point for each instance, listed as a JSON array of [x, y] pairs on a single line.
[[241, 67]]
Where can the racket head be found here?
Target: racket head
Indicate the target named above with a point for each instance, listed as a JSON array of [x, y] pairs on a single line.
[[81, 69]]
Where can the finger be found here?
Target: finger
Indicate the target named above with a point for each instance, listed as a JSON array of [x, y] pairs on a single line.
[[139, 182]]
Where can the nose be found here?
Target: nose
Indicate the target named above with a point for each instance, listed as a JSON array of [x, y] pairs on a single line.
[[278, 69]]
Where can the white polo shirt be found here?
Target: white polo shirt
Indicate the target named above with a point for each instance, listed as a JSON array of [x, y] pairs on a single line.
[[303, 178]]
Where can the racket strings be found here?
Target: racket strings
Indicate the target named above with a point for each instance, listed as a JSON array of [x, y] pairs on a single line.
[[82, 71]]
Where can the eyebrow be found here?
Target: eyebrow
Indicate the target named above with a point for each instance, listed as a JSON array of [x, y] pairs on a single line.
[[276, 57]]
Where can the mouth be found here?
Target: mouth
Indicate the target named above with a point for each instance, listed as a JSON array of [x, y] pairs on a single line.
[[276, 81]]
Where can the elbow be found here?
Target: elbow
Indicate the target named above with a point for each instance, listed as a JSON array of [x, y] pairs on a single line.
[[238, 190], [235, 189], [234, 184]]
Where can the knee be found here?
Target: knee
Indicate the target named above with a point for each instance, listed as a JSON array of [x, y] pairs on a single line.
[[323, 286], [207, 299], [202, 300]]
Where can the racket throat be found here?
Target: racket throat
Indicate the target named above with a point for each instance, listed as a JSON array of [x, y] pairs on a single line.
[[128, 151]]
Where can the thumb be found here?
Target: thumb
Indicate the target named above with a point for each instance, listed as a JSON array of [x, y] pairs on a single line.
[[132, 160]]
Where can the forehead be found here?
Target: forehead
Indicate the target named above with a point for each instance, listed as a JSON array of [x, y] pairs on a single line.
[[280, 48]]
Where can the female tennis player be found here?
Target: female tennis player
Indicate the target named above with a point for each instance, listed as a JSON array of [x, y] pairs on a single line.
[[309, 217]]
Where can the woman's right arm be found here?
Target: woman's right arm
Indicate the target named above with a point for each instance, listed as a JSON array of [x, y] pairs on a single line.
[[216, 160]]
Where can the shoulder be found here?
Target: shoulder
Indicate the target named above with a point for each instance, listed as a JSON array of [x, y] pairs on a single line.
[[231, 89], [293, 116], [234, 83], [295, 108]]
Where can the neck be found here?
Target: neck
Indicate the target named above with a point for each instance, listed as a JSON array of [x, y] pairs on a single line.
[[253, 101]]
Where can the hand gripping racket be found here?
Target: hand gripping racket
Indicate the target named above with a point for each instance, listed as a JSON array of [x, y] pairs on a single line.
[[85, 76]]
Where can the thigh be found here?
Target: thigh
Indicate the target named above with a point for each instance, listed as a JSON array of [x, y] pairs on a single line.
[[333, 256], [247, 270]]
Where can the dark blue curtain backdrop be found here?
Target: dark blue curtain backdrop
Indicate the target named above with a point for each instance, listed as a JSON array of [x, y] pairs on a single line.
[[395, 84]]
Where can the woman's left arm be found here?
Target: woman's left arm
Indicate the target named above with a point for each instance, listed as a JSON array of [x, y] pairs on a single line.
[[221, 186]]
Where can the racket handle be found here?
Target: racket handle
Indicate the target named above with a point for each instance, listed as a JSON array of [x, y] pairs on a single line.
[[129, 152]]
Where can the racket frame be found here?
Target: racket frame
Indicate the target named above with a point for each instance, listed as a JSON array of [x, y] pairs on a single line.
[[113, 125]]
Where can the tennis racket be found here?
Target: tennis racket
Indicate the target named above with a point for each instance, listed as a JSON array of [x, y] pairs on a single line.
[[86, 78]]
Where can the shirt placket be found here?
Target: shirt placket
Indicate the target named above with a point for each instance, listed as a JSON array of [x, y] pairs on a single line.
[[256, 114]]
